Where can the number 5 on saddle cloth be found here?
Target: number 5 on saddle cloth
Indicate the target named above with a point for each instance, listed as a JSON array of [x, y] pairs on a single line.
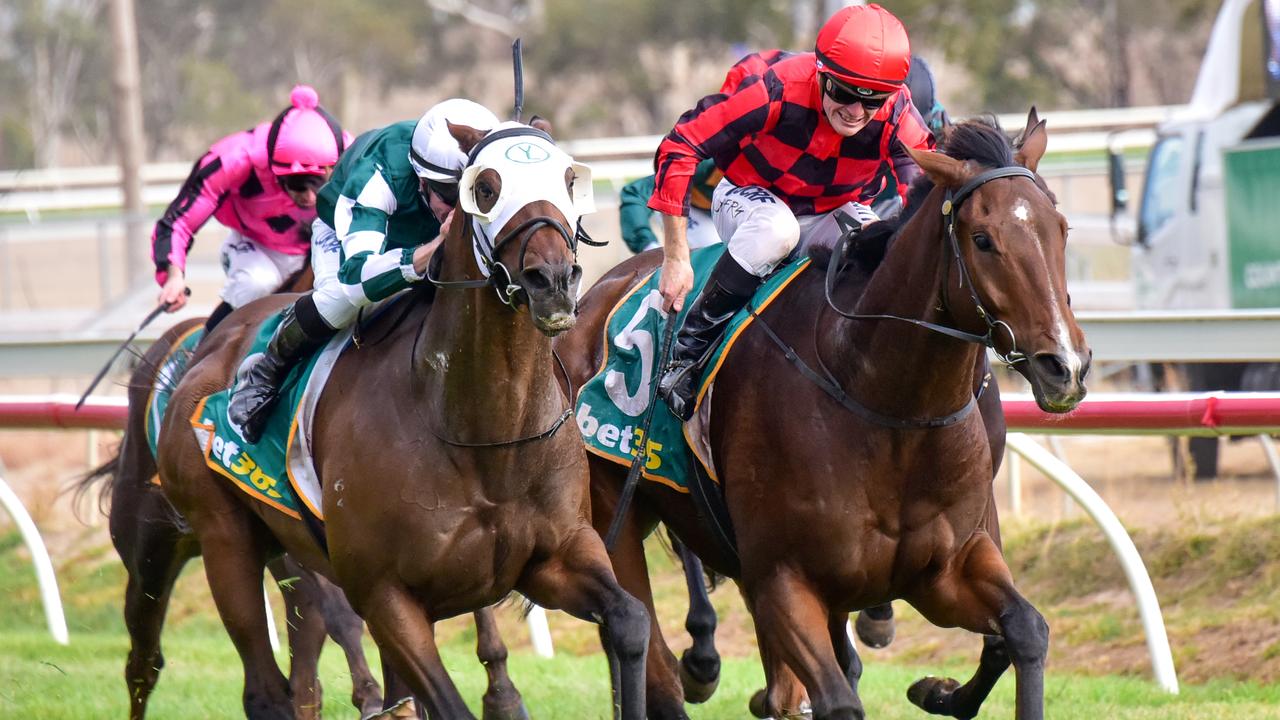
[[612, 405]]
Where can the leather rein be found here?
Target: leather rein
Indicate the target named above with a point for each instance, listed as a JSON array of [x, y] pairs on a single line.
[[827, 381]]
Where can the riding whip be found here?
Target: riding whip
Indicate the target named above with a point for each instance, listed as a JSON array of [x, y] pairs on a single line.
[[518, 63], [633, 475], [103, 372]]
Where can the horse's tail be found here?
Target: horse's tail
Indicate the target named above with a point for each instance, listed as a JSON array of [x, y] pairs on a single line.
[[81, 487]]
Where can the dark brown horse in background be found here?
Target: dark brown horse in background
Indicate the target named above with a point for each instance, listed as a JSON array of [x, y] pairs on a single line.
[[878, 487], [460, 483]]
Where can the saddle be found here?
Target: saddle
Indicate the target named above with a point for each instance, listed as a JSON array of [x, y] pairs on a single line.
[[612, 406]]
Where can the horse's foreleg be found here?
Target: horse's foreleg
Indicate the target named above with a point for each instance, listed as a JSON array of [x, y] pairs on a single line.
[[501, 699], [783, 696], [306, 635], [664, 692], [978, 594], [579, 580], [347, 629], [846, 653], [157, 558], [407, 640], [792, 623], [233, 563], [700, 664]]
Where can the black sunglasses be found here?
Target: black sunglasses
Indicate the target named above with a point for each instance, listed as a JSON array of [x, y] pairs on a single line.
[[301, 182], [448, 192], [842, 94]]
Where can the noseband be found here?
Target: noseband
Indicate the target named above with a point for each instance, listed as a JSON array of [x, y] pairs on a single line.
[[950, 209], [500, 277]]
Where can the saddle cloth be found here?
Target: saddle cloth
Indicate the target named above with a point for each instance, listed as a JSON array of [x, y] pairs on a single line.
[[277, 470], [612, 405]]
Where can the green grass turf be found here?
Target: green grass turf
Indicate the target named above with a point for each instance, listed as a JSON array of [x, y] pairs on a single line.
[[202, 679]]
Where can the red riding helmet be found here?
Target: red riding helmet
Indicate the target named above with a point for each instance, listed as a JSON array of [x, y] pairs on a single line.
[[865, 46]]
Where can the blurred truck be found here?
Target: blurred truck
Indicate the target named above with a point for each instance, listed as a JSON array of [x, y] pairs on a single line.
[[1208, 225]]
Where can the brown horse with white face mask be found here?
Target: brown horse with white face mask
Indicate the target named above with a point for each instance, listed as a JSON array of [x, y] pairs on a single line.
[[450, 471], [860, 473]]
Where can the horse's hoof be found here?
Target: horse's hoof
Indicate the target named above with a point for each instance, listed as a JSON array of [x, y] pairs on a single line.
[[874, 633], [400, 711], [757, 704], [504, 710], [700, 678], [933, 694]]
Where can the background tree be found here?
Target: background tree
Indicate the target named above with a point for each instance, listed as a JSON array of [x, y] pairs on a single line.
[[606, 67]]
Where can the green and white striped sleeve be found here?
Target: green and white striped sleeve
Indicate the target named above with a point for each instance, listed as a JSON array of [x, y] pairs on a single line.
[[360, 218]]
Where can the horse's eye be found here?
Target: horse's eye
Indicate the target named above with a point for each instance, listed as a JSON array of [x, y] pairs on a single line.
[[485, 190], [982, 241]]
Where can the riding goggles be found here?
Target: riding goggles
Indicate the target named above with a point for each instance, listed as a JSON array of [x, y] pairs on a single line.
[[448, 192], [302, 182], [845, 94]]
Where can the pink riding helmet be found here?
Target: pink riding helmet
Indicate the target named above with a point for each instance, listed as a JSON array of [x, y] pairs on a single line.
[[305, 138]]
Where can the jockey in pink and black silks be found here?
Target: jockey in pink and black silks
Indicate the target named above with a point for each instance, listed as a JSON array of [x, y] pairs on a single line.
[[798, 136], [261, 184]]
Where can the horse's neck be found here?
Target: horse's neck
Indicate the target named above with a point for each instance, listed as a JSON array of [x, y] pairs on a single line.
[[484, 364], [896, 367]]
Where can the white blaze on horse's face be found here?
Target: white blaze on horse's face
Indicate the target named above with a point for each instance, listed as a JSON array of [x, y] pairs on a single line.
[[532, 169]]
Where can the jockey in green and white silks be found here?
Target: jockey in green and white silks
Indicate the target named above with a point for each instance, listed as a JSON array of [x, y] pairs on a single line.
[[380, 218]]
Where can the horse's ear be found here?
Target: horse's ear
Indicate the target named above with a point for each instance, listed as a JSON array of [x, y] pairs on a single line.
[[1032, 143], [541, 123], [943, 170], [467, 137]]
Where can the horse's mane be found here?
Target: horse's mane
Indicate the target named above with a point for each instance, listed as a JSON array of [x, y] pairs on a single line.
[[979, 140]]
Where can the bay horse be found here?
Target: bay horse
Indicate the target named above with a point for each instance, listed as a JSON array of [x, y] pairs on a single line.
[[154, 543], [462, 482], [877, 487]]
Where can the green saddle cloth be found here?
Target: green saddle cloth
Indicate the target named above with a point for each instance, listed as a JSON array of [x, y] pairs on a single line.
[[612, 405], [260, 470], [172, 367]]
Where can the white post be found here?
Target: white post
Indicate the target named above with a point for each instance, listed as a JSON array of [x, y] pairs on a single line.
[[1273, 459], [40, 558], [1014, 465], [540, 632], [1121, 543], [271, 621]]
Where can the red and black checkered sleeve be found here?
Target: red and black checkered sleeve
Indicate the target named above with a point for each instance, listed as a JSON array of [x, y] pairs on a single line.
[[911, 132], [717, 124]]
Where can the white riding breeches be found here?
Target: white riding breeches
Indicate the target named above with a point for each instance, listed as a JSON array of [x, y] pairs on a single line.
[[332, 299], [761, 231], [254, 271]]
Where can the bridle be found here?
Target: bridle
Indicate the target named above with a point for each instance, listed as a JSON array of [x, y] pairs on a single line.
[[498, 275], [951, 203], [827, 381]]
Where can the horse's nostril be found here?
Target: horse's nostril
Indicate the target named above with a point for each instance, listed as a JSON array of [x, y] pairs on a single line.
[[538, 278], [1052, 366], [551, 278]]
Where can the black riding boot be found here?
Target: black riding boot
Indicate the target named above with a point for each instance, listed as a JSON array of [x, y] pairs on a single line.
[[300, 332], [727, 291]]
